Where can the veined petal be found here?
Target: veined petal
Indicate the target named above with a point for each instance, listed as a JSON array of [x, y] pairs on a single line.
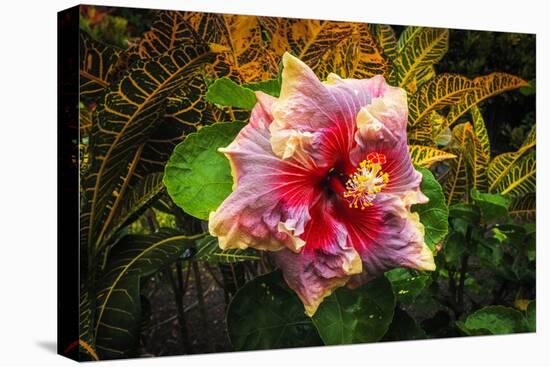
[[318, 119], [387, 235], [381, 128], [302, 166], [304, 103], [326, 262], [262, 109], [404, 178], [269, 205], [384, 120], [289, 142]]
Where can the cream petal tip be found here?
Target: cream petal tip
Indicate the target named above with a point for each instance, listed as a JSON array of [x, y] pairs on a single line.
[[425, 259]]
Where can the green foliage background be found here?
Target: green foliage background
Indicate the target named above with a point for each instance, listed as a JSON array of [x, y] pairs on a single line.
[[154, 282]]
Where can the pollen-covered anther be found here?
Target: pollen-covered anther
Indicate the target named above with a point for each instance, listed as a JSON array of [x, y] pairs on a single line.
[[366, 182]]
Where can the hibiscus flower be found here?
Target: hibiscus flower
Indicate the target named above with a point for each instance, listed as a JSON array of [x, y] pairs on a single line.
[[323, 179]]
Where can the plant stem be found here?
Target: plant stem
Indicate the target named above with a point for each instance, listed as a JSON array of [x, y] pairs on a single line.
[[202, 306], [181, 312], [234, 276], [462, 279], [182, 283], [463, 271], [213, 275], [231, 114]]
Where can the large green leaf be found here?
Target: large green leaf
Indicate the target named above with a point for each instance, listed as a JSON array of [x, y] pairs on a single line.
[[454, 247], [404, 327], [356, 316], [197, 176], [131, 111], [434, 214], [270, 86], [407, 284], [465, 211], [266, 314], [492, 206], [226, 92], [118, 298], [493, 320]]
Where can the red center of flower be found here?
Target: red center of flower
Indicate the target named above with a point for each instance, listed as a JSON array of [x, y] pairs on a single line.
[[359, 189]]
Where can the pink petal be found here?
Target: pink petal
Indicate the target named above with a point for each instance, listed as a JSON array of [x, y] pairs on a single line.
[[404, 180], [387, 235], [380, 126], [308, 110], [268, 208], [324, 264]]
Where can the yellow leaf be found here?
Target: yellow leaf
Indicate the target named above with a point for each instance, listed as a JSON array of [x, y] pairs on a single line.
[[521, 304], [481, 131], [246, 57], [386, 39], [444, 90], [424, 156], [483, 87], [418, 48], [97, 61], [357, 56], [513, 173], [469, 170]]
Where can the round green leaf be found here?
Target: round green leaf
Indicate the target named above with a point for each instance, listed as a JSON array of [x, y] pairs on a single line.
[[492, 206], [454, 248], [356, 316], [226, 92], [197, 176], [271, 86], [465, 211], [434, 214], [266, 314], [494, 320], [407, 284], [404, 327]]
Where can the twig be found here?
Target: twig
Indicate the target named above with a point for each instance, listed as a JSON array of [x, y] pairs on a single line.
[[181, 313], [200, 299], [213, 275]]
